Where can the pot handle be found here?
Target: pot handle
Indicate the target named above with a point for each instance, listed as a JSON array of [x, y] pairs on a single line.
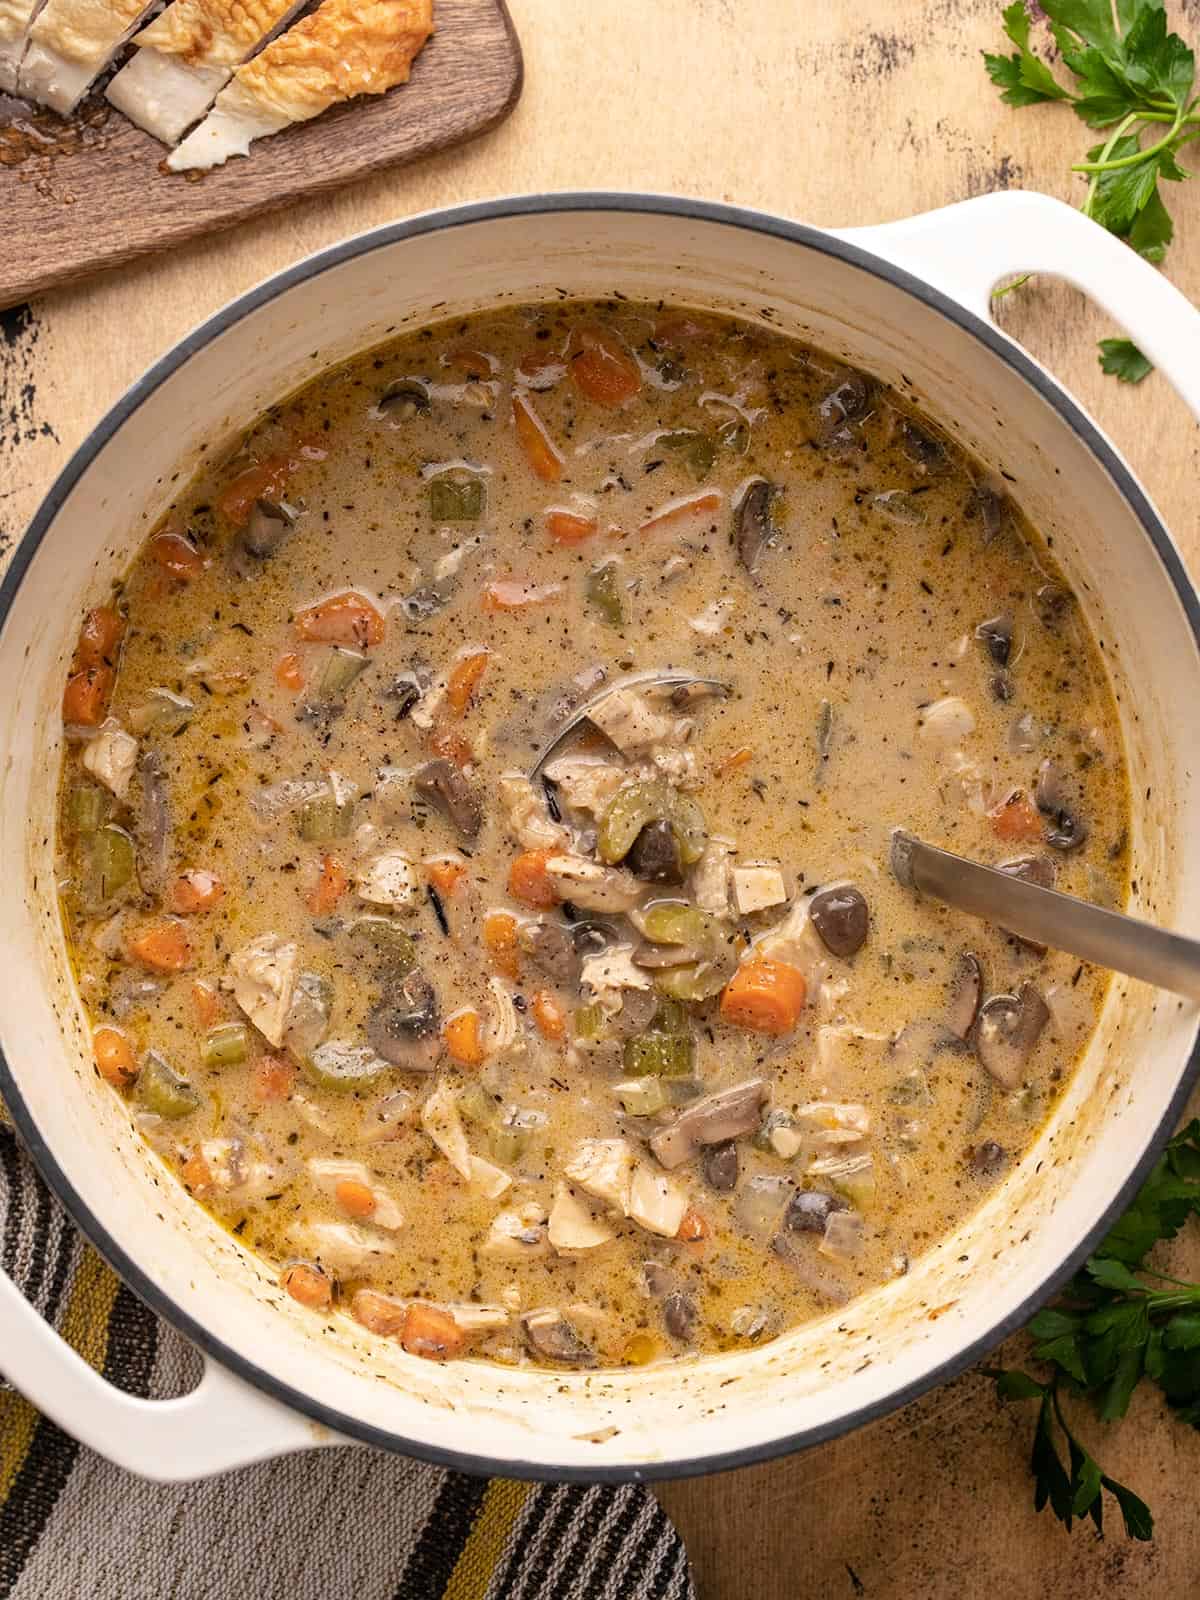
[[223, 1423], [965, 249]]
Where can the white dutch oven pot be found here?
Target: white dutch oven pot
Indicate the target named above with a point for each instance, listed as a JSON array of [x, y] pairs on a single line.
[[908, 301]]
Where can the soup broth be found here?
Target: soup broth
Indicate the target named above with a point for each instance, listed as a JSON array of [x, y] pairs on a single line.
[[639, 1052]]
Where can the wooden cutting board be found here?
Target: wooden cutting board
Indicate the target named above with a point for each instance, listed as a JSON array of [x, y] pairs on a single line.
[[85, 194]]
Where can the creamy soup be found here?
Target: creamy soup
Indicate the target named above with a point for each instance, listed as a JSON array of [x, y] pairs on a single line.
[[633, 1049]]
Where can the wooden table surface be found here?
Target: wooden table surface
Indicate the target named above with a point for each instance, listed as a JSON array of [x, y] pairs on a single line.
[[845, 112]]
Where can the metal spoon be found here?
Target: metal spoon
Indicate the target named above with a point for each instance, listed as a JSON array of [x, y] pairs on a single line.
[[1107, 938], [655, 679]]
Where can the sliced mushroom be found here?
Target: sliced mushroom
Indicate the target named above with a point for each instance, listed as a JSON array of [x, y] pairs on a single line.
[[810, 1209], [711, 1120], [266, 529], [444, 787], [405, 398], [403, 1027], [753, 528], [847, 402], [922, 447], [1031, 869], [988, 1159], [1009, 1027], [1051, 604], [966, 991], [680, 1316], [591, 938], [720, 1166], [654, 856], [591, 886], [991, 507], [1069, 831], [551, 948], [841, 916], [549, 1335], [996, 636], [154, 822]]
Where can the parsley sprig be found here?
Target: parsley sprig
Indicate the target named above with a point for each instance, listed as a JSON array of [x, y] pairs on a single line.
[[1119, 1321], [1133, 77]]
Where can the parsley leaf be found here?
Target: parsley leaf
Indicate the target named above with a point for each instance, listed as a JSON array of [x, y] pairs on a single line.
[[1134, 76], [1024, 79], [1119, 1322]]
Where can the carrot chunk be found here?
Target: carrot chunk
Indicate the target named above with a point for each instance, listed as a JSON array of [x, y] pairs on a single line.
[[102, 631], [265, 481], [309, 1285], [347, 618], [470, 362], [194, 891], [528, 880], [451, 746], [693, 1227], [687, 512], [540, 369], [431, 1333], [517, 594], [196, 1173], [329, 887], [273, 1078], [162, 948], [113, 1055], [565, 527], [463, 1038], [177, 556], [445, 873], [500, 937], [464, 680], [206, 1003], [764, 996], [602, 369], [355, 1198], [739, 758], [1016, 818], [549, 1015], [85, 698], [378, 1313], [289, 674], [538, 448]]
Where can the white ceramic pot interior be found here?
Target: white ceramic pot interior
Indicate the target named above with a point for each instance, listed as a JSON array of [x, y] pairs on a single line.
[[894, 1338]]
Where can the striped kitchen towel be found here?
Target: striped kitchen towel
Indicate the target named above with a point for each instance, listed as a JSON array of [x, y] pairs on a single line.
[[350, 1522]]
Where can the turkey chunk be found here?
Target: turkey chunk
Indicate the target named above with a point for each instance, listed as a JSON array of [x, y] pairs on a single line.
[[573, 1227], [627, 718], [517, 1235], [263, 977], [344, 1246], [441, 1121], [755, 888], [586, 785], [656, 1202], [525, 815], [111, 757], [390, 880], [607, 975], [710, 877], [593, 887], [604, 1167]]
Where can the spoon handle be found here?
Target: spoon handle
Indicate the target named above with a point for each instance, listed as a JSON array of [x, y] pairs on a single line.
[[1105, 938]]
